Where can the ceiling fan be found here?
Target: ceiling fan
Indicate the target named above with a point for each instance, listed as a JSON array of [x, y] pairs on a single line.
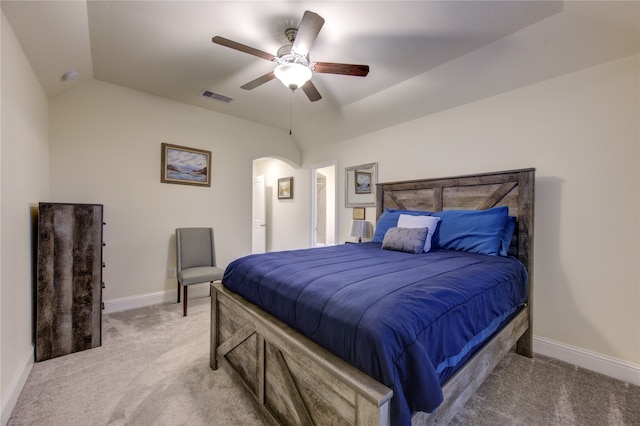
[[294, 68]]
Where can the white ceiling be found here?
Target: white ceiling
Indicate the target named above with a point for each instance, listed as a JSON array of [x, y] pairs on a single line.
[[424, 56]]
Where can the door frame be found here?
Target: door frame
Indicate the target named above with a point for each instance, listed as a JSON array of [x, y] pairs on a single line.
[[263, 211], [313, 168]]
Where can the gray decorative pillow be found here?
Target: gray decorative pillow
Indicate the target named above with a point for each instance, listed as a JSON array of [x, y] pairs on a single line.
[[410, 240]]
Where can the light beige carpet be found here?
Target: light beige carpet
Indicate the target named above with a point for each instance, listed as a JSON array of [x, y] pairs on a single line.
[[153, 369]]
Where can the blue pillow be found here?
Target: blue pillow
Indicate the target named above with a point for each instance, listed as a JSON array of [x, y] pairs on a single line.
[[507, 234], [475, 231], [389, 219]]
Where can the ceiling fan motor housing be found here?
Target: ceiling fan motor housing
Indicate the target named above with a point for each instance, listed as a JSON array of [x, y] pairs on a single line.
[[286, 56], [290, 34]]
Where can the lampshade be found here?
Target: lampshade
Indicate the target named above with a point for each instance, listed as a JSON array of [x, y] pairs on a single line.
[[292, 74], [361, 229]]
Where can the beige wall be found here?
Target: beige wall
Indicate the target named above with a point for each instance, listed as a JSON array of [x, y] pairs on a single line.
[[581, 132], [106, 148], [24, 177]]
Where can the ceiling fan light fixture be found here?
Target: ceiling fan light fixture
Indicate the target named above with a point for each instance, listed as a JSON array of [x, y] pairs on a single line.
[[292, 74], [293, 67]]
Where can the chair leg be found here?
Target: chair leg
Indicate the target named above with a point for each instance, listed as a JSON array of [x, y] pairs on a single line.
[[184, 303], [178, 292]]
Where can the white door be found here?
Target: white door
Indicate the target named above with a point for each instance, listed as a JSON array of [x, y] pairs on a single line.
[[259, 222]]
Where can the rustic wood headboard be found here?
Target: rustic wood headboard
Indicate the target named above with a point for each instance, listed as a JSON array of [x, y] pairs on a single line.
[[513, 188]]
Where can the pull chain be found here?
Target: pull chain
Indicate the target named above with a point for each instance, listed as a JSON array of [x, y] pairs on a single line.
[[290, 103]]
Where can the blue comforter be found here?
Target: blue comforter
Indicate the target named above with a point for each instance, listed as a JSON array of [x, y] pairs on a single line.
[[407, 320]]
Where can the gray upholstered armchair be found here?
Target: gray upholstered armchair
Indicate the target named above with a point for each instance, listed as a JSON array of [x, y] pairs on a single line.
[[196, 259]]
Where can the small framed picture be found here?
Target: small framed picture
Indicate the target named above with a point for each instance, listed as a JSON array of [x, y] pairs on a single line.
[[185, 166], [358, 213], [285, 188], [363, 182]]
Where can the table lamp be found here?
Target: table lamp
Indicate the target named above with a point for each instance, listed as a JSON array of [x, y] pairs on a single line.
[[361, 229]]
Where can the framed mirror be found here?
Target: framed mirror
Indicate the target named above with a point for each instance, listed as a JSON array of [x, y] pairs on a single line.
[[360, 185]]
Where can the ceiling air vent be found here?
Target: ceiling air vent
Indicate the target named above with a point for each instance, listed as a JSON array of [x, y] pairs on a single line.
[[215, 96]]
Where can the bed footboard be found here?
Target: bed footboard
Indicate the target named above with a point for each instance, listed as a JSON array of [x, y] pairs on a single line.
[[292, 379], [296, 382]]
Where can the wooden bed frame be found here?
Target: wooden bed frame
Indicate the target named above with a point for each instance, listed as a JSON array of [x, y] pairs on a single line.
[[297, 382]]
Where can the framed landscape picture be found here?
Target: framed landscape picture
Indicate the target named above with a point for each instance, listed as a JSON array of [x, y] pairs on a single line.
[[285, 188], [185, 166]]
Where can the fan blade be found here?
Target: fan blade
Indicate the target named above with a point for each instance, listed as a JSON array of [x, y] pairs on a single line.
[[258, 81], [311, 91], [344, 69], [307, 32], [242, 48]]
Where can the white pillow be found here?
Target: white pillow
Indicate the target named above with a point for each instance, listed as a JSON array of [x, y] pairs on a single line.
[[410, 221]]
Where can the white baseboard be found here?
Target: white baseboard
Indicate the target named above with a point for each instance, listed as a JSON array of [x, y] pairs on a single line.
[[603, 364], [10, 397], [140, 301]]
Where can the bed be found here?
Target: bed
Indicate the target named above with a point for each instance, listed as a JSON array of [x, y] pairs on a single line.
[[296, 380]]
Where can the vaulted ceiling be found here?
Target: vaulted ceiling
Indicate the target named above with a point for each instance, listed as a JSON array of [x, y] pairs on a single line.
[[424, 56]]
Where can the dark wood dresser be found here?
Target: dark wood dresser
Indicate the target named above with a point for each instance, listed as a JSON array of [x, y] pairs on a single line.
[[69, 281]]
